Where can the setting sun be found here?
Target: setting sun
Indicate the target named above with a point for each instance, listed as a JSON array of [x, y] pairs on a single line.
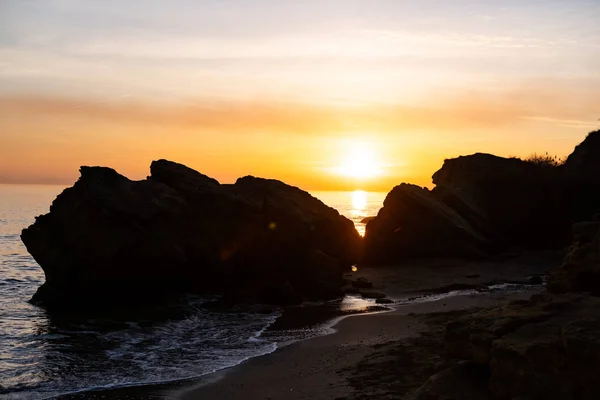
[[359, 161]]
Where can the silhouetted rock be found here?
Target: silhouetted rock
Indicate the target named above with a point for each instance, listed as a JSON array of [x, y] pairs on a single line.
[[366, 220], [487, 204], [362, 283], [584, 163], [414, 223], [535, 280], [373, 295], [109, 240], [325, 224], [509, 199]]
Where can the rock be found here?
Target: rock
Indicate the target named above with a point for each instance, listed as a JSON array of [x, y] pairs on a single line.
[[535, 280], [324, 223], [545, 348], [351, 290], [465, 381], [484, 204], [372, 295], [507, 198], [180, 177], [453, 287], [580, 271], [583, 164], [366, 220], [362, 283], [384, 301], [414, 223], [109, 241], [586, 232]]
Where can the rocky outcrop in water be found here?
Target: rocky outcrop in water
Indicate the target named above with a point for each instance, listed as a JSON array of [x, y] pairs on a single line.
[[485, 204], [112, 241]]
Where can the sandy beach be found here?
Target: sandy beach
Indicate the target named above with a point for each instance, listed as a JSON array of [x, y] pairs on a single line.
[[381, 355]]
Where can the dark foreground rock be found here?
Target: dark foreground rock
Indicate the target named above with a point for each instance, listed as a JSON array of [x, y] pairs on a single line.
[[580, 271], [465, 381], [112, 241], [547, 347], [484, 204]]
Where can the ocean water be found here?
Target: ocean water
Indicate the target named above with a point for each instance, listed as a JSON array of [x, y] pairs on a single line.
[[42, 356], [356, 205]]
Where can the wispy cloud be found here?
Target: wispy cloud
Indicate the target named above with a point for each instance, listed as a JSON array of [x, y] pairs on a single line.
[[471, 110], [569, 123]]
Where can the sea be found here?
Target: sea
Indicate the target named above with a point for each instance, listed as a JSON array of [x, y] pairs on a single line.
[[43, 356]]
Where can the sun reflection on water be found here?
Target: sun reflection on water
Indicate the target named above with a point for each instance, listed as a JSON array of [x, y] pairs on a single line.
[[357, 205], [356, 303], [359, 201], [359, 209]]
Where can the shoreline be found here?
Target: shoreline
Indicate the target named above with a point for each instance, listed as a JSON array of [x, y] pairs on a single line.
[[356, 337], [160, 388], [291, 364]]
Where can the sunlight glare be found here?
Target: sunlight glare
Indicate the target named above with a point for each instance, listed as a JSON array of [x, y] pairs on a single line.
[[360, 162], [359, 200]]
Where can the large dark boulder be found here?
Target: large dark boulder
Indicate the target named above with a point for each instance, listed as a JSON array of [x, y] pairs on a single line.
[[482, 203], [514, 201], [414, 223], [112, 241]]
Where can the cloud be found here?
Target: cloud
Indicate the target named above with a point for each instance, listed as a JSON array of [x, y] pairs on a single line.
[[473, 110], [292, 140], [569, 123]]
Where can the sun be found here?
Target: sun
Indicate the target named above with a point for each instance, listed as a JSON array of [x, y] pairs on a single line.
[[359, 161]]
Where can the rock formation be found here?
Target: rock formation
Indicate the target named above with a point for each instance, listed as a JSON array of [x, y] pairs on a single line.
[[547, 347], [484, 204], [413, 222], [580, 271], [584, 163], [112, 241]]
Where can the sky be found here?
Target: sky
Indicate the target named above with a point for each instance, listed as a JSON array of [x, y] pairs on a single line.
[[339, 95]]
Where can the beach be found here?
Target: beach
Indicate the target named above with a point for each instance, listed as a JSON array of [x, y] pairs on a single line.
[[379, 355], [350, 363]]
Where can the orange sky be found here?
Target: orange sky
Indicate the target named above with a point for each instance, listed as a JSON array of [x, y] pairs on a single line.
[[232, 90]]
